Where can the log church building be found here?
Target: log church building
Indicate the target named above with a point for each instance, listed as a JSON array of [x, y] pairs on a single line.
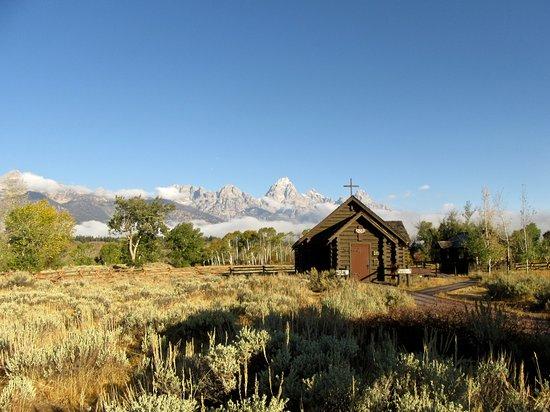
[[354, 241]]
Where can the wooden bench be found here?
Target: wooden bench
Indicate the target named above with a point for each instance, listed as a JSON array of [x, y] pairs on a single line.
[[261, 269]]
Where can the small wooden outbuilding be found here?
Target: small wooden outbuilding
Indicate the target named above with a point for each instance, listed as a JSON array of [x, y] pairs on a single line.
[[354, 241], [453, 255]]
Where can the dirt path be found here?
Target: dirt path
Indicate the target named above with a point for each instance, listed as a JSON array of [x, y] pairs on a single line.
[[446, 288], [427, 297]]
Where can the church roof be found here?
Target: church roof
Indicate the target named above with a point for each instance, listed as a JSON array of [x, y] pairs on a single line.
[[399, 228], [338, 219]]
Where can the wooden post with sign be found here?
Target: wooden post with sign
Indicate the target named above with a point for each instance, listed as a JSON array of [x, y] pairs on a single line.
[[407, 273]]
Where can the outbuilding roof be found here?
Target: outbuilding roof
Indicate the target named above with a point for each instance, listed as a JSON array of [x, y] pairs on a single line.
[[457, 241]]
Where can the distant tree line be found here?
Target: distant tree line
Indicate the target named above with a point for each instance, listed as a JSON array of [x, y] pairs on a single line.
[[251, 247], [489, 241], [37, 236]]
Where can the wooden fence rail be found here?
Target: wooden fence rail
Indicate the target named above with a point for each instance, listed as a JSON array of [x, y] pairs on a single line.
[[532, 265], [261, 269], [108, 271]]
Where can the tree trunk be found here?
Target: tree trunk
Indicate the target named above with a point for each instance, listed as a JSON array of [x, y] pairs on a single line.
[[132, 248]]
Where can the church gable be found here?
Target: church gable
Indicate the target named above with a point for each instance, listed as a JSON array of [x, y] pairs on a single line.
[[361, 219], [337, 218], [344, 214]]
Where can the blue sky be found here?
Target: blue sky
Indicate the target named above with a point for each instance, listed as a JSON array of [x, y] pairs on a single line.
[[396, 94]]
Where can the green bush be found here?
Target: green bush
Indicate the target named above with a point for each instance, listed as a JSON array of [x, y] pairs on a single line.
[[6, 256], [542, 297], [533, 288], [83, 254], [111, 253], [185, 245], [88, 349], [512, 286]]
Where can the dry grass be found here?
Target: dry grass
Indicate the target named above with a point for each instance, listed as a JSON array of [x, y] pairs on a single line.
[[189, 341], [75, 335], [468, 294]]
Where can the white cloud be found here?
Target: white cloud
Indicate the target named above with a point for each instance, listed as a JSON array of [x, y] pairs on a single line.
[[38, 183], [542, 219], [411, 218], [447, 207], [92, 228], [392, 196], [424, 187], [407, 194], [250, 223], [169, 193]]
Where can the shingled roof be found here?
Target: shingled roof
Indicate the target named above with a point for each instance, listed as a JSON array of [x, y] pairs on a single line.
[[457, 241], [398, 227]]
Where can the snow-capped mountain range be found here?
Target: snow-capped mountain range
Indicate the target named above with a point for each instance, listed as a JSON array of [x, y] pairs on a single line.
[[220, 211], [282, 201]]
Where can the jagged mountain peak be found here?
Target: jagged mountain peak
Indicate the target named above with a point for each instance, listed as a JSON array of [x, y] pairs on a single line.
[[230, 189], [283, 191], [285, 180], [363, 196], [317, 197], [59, 192]]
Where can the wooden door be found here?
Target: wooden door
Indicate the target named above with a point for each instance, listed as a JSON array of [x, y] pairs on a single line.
[[360, 260]]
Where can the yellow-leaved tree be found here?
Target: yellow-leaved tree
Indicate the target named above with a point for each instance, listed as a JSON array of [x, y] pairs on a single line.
[[38, 236]]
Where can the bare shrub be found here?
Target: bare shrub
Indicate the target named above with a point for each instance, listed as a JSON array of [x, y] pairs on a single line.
[[149, 402], [319, 281], [19, 278], [354, 299], [18, 394]]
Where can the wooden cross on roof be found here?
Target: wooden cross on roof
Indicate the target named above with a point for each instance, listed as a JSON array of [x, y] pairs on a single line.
[[351, 186]]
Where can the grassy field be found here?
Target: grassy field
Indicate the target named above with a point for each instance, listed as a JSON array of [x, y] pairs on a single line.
[[193, 341]]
